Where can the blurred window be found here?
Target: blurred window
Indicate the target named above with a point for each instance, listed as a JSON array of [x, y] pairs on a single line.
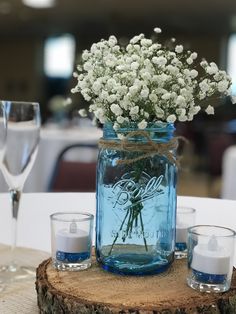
[[59, 55], [232, 60]]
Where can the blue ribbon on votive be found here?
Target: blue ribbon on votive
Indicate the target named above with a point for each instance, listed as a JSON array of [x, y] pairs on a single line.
[[209, 278], [180, 246], [72, 257]]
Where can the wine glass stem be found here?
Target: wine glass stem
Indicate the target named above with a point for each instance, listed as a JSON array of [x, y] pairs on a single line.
[[15, 201]]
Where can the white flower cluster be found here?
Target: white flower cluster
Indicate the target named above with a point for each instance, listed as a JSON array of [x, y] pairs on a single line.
[[146, 82]]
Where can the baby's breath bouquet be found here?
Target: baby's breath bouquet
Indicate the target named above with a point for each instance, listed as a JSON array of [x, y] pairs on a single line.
[[147, 82]]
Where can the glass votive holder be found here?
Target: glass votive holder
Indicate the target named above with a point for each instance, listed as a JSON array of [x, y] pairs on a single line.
[[210, 258], [71, 240], [185, 218]]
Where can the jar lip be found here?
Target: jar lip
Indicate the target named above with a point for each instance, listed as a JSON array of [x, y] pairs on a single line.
[[201, 230], [158, 126], [72, 216]]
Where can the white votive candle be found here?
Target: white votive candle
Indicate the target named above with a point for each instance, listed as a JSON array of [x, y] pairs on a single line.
[[211, 258], [73, 240]]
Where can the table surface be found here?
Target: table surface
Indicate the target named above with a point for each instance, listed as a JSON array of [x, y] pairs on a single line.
[[34, 231]]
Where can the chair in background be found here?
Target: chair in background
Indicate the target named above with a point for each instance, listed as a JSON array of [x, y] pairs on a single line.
[[216, 145], [228, 189], [75, 169]]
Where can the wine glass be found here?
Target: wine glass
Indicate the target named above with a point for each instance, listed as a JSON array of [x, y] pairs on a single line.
[[19, 153], [3, 133]]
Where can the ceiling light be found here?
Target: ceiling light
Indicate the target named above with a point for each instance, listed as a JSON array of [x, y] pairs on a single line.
[[39, 4]]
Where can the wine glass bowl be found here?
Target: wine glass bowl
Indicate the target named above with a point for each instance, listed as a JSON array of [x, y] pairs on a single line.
[[17, 159], [23, 127]]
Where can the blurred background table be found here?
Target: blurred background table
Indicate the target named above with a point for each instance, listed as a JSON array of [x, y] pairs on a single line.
[[53, 140]]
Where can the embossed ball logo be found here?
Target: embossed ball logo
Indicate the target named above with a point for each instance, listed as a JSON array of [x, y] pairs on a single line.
[[127, 193]]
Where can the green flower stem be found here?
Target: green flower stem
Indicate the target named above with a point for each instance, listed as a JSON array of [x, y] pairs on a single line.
[[142, 226], [118, 232], [132, 216]]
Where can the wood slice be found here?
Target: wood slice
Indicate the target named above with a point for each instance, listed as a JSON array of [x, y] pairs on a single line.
[[96, 291]]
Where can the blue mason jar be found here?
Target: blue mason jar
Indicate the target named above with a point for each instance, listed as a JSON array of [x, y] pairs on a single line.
[[136, 200]]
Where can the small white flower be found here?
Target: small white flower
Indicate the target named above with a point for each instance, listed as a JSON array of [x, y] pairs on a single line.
[[104, 95], [190, 117], [212, 68], [210, 110], [187, 72], [202, 95], [135, 39], [144, 93], [142, 125], [146, 75], [189, 61], [166, 96], [116, 126], [153, 97], [159, 112], [112, 41], [88, 66], [111, 83], [171, 118], [183, 118], [99, 114], [181, 111], [179, 49], [125, 104], [120, 136], [181, 81], [133, 90], [180, 100], [217, 76], [112, 98], [96, 86], [157, 30], [82, 113], [204, 64], [85, 55], [193, 55], [160, 61], [193, 73], [85, 95], [134, 110], [146, 42], [195, 109], [134, 65], [204, 86], [115, 108], [222, 86], [172, 69], [120, 119]]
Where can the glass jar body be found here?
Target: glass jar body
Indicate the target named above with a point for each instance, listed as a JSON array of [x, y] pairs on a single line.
[[136, 204]]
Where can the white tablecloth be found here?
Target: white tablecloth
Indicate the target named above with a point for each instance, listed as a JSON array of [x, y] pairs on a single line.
[[34, 221], [52, 141], [34, 232]]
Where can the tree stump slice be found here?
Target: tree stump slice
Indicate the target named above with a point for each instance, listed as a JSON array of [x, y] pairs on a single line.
[[97, 291]]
